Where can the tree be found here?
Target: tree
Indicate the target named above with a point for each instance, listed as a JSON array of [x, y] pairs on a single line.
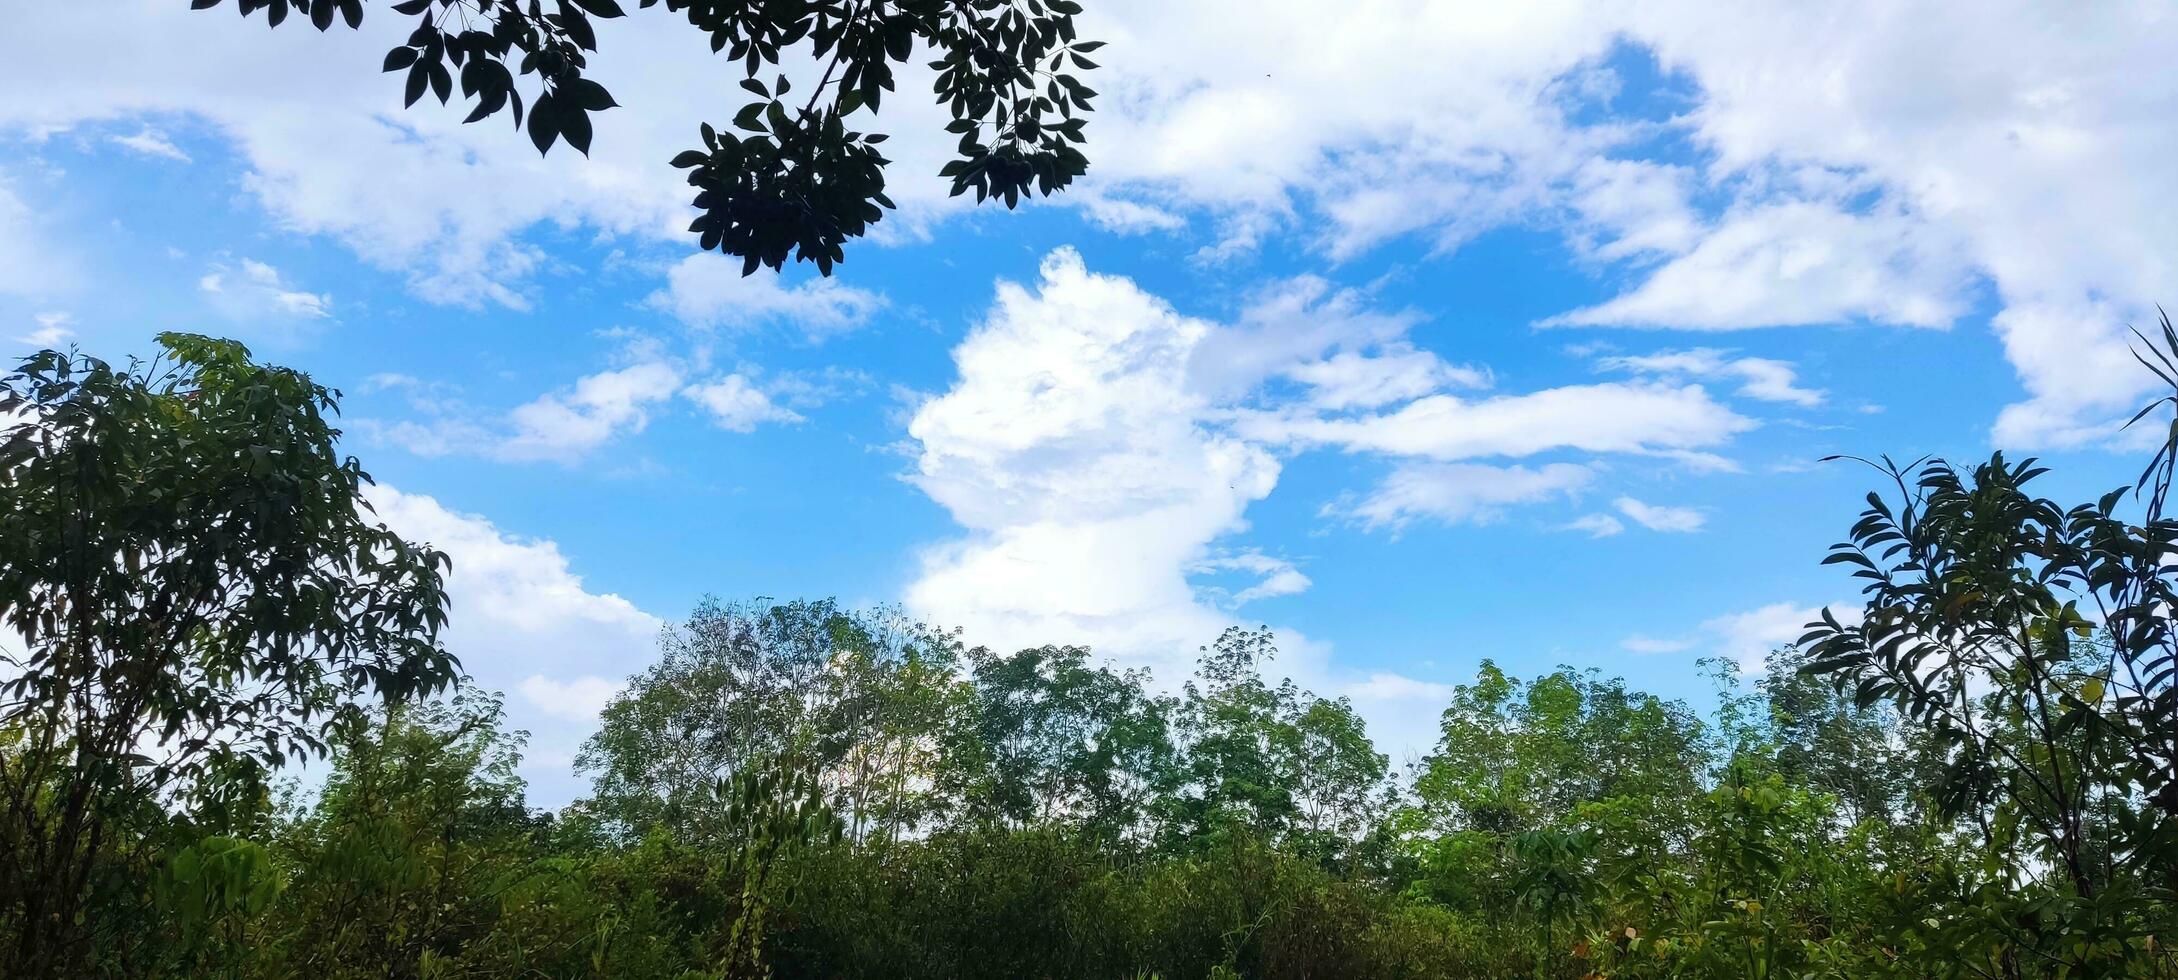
[[420, 822], [2031, 642], [797, 179], [1517, 756], [1275, 762], [855, 700], [1057, 740], [199, 589], [1816, 737]]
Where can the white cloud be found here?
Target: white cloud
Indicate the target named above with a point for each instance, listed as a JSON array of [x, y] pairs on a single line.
[[1331, 339], [1855, 162], [1596, 525], [1274, 576], [737, 405], [566, 425], [53, 329], [318, 148], [1095, 451], [1746, 638], [1127, 217], [571, 423], [1797, 263], [1395, 373], [708, 290], [811, 389], [579, 700], [2047, 173], [561, 426], [1611, 417], [1864, 161], [1674, 520], [256, 290], [1457, 493], [1264, 141], [1760, 377], [1633, 209], [521, 615], [151, 142], [1073, 450]]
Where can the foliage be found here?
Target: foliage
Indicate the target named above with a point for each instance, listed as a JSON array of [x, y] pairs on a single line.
[[199, 589], [1275, 763], [2030, 644], [790, 176], [858, 700]]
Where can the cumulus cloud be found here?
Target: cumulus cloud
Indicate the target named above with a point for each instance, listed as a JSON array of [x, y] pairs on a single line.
[[1099, 448], [1074, 452]]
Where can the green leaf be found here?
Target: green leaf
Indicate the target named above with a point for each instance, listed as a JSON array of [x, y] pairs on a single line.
[[544, 122], [751, 117]]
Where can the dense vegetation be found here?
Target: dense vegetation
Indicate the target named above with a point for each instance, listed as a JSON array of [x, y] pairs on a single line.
[[1972, 779]]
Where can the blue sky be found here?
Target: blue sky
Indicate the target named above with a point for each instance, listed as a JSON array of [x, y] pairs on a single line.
[[1430, 334]]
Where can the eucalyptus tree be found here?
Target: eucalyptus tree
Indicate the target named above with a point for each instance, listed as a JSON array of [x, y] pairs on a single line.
[[198, 589], [792, 175]]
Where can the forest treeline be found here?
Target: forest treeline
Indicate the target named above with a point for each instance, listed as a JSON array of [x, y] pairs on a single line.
[[1973, 776]]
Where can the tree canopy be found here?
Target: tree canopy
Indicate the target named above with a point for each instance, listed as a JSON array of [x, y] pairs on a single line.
[[200, 595]]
